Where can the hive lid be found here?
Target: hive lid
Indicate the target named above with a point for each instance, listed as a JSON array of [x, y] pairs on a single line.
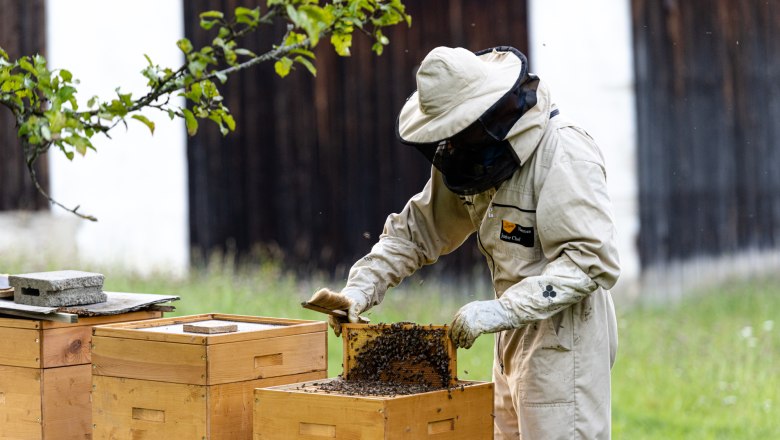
[[182, 328], [57, 280], [246, 328]]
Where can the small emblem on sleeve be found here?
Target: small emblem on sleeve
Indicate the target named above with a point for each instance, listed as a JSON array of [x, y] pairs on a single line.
[[549, 292], [514, 233]]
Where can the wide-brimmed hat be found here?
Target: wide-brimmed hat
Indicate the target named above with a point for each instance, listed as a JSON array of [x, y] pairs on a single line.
[[454, 88]]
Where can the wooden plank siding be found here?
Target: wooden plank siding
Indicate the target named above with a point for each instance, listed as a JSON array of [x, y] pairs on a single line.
[[707, 82], [314, 167], [22, 32]]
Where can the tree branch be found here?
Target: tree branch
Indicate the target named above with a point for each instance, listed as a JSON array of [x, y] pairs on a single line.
[[34, 177]]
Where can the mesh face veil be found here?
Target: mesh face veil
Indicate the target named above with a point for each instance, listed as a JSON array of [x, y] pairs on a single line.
[[473, 161]]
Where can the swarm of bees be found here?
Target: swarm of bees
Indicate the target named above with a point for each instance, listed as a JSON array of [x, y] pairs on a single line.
[[395, 359]]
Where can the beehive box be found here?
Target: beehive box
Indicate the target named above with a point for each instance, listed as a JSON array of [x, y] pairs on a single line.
[[45, 376], [153, 380], [401, 352], [305, 412]]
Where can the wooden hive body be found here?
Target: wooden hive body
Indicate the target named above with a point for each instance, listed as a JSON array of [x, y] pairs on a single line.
[[46, 376], [152, 380], [303, 412]]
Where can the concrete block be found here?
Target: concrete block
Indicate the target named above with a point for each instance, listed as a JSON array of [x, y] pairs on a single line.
[[58, 289]]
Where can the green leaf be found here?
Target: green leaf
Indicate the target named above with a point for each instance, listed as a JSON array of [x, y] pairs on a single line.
[[192, 123], [196, 67], [79, 143], [341, 43], [185, 45], [224, 32], [209, 19], [308, 64], [207, 24], [145, 121], [195, 92], [39, 61], [304, 52], [66, 75], [212, 14], [312, 19], [57, 121], [292, 13], [66, 93], [229, 121], [3, 54], [45, 132], [247, 16], [25, 64], [283, 66], [230, 57], [150, 73], [294, 38], [126, 98]]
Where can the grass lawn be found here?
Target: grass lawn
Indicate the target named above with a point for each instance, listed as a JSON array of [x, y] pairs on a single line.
[[707, 367]]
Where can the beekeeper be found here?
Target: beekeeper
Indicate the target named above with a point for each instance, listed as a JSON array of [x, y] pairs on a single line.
[[532, 185]]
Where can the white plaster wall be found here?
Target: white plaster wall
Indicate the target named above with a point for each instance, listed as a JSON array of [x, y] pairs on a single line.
[[136, 184], [584, 52]]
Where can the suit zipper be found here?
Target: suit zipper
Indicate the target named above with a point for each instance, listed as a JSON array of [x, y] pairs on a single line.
[[499, 352]]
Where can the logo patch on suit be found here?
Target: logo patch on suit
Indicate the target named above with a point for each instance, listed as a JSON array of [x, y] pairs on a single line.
[[514, 233]]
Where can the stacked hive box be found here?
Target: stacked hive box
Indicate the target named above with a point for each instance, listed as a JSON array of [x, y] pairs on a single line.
[[457, 410], [305, 412], [154, 380], [45, 376]]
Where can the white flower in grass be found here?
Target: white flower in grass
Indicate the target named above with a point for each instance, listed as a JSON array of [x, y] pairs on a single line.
[[746, 332], [729, 400], [768, 325]]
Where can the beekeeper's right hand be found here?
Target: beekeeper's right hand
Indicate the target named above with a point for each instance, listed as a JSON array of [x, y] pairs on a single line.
[[358, 303]]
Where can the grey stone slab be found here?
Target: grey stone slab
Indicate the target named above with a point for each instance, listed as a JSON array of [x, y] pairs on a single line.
[[57, 280], [58, 288], [59, 298]]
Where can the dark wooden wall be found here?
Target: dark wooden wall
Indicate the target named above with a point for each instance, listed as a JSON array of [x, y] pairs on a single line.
[[708, 95], [22, 32], [314, 167]]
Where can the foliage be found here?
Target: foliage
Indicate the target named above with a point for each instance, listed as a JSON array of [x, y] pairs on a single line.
[[47, 112]]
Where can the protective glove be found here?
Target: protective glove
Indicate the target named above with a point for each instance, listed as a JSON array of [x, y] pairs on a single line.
[[358, 303], [479, 317]]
